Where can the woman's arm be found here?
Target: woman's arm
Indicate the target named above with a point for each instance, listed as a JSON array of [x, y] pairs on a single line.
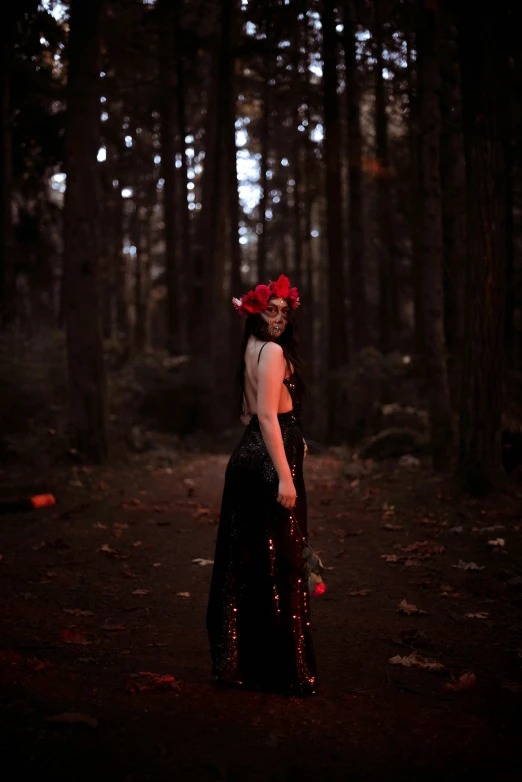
[[271, 373]]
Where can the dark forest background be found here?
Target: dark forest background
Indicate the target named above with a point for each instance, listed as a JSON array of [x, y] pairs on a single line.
[[158, 158]]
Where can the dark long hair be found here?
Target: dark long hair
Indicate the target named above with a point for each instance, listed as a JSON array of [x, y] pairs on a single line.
[[255, 325]]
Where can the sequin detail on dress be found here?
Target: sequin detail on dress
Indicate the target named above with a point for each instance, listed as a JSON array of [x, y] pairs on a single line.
[[258, 614]]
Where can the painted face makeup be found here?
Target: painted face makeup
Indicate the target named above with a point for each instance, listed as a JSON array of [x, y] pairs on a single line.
[[276, 316]]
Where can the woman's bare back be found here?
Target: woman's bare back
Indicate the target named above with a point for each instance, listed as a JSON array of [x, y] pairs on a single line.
[[253, 348]]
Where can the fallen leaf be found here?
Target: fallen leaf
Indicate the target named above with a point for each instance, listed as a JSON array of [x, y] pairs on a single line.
[[479, 615], [75, 637], [73, 717], [513, 686], [183, 594], [464, 682], [99, 525], [392, 526], [497, 542], [156, 564], [106, 549], [141, 592], [360, 593], [190, 486], [137, 544], [409, 609], [200, 561], [415, 660], [151, 681], [77, 612], [468, 565], [112, 552], [199, 512], [390, 557]]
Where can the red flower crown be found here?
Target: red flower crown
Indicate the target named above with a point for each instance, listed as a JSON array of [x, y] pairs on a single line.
[[257, 299]]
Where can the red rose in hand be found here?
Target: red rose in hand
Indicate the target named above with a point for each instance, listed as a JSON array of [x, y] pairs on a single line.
[[319, 589]]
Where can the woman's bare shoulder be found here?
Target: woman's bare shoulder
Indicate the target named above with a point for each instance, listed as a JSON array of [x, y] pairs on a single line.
[[272, 349]]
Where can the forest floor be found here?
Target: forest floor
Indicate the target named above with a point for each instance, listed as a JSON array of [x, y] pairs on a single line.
[[102, 589]]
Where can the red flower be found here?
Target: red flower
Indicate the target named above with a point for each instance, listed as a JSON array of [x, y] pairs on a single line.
[[281, 287], [293, 298], [252, 302], [319, 588], [262, 293]]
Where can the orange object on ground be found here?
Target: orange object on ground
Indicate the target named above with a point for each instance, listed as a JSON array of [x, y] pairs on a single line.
[[42, 500]]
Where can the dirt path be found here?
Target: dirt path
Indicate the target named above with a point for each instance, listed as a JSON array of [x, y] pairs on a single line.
[[119, 547]]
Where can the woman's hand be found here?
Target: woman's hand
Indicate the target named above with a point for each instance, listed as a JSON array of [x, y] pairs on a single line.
[[245, 418], [287, 494]]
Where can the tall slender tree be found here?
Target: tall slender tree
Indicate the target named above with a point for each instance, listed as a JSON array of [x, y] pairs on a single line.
[[357, 286], [388, 327], [484, 72], [7, 42], [453, 182], [337, 336], [168, 165], [86, 371], [431, 240]]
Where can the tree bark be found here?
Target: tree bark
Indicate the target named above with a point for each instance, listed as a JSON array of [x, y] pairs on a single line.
[[168, 172], [7, 40], [484, 75], [415, 225], [186, 271], [337, 337], [139, 283], [431, 239], [265, 147], [213, 224], [453, 180], [86, 371], [358, 298], [388, 326]]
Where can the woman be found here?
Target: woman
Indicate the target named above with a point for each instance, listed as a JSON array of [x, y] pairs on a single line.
[[258, 611]]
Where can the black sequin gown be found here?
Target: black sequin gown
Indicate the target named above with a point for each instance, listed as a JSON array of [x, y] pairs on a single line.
[[258, 614]]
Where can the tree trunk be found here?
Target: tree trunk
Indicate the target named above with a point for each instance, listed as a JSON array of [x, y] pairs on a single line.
[[337, 338], [358, 298], [211, 340], [484, 75], [168, 172], [265, 147], [139, 283], [87, 381], [186, 271], [234, 248], [7, 294], [415, 225], [437, 387], [120, 274], [387, 282], [453, 179]]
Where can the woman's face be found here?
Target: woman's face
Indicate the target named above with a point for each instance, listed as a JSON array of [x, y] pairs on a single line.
[[276, 316]]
